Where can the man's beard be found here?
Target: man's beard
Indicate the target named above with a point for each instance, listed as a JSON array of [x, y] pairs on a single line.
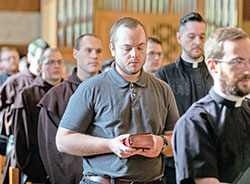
[[193, 56], [231, 87], [124, 70]]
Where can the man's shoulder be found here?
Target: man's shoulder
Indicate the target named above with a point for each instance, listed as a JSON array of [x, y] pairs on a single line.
[[99, 79], [4, 74], [203, 105], [167, 70], [58, 92], [198, 111], [155, 79], [160, 84], [16, 78], [168, 67]]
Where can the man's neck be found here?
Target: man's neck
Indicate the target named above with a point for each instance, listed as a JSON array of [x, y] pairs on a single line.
[[150, 72], [189, 59], [53, 82], [12, 73], [33, 70], [84, 76], [229, 97], [128, 77], [195, 63]]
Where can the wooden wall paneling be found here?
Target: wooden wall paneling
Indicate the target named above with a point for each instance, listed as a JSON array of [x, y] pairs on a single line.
[[201, 6], [50, 27], [20, 5], [2, 163], [162, 26], [246, 12], [241, 9], [67, 54]]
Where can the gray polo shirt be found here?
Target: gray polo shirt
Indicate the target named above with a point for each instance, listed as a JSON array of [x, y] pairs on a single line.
[[107, 106]]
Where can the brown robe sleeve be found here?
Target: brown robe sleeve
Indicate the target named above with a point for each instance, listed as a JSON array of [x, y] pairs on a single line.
[[61, 167], [8, 93], [25, 140]]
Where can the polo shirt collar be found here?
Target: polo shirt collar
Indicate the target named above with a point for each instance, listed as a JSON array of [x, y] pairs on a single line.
[[121, 82]]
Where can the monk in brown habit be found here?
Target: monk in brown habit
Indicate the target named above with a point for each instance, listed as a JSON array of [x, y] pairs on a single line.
[[14, 84], [63, 168], [26, 113]]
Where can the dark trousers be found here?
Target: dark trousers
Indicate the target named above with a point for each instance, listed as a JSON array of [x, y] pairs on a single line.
[[169, 172]]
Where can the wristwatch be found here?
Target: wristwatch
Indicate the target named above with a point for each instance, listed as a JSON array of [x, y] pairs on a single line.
[[165, 142]]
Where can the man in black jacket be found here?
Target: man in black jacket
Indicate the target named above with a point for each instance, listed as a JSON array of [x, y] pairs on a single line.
[[188, 77]]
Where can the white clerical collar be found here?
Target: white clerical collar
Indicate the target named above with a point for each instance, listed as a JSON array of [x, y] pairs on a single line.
[[238, 100], [248, 96], [194, 63]]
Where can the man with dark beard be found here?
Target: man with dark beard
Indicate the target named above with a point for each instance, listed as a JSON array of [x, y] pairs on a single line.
[[211, 141], [188, 77]]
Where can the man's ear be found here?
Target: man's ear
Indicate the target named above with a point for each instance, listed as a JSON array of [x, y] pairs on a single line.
[[211, 65], [30, 58], [112, 49], [75, 53], [178, 37], [40, 66]]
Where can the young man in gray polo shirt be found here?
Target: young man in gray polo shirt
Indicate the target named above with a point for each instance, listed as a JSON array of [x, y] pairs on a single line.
[[109, 107]]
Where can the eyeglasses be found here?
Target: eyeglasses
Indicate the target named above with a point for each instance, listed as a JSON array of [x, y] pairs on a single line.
[[51, 62], [234, 62], [153, 54]]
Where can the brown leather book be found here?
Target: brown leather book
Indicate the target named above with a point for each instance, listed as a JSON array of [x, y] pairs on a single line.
[[140, 141]]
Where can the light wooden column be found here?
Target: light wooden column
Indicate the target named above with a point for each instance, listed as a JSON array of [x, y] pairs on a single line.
[[49, 21], [2, 162], [13, 175], [201, 6]]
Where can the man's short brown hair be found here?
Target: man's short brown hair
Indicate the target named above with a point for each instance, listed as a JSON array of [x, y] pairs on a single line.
[[214, 44]]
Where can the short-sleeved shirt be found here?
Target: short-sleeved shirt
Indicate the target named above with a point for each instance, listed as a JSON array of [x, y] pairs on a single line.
[[212, 139], [107, 106]]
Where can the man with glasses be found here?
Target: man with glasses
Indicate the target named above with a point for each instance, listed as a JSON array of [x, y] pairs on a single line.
[[188, 77], [9, 91], [66, 168], [9, 60], [212, 139], [15, 83], [154, 55], [26, 115]]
